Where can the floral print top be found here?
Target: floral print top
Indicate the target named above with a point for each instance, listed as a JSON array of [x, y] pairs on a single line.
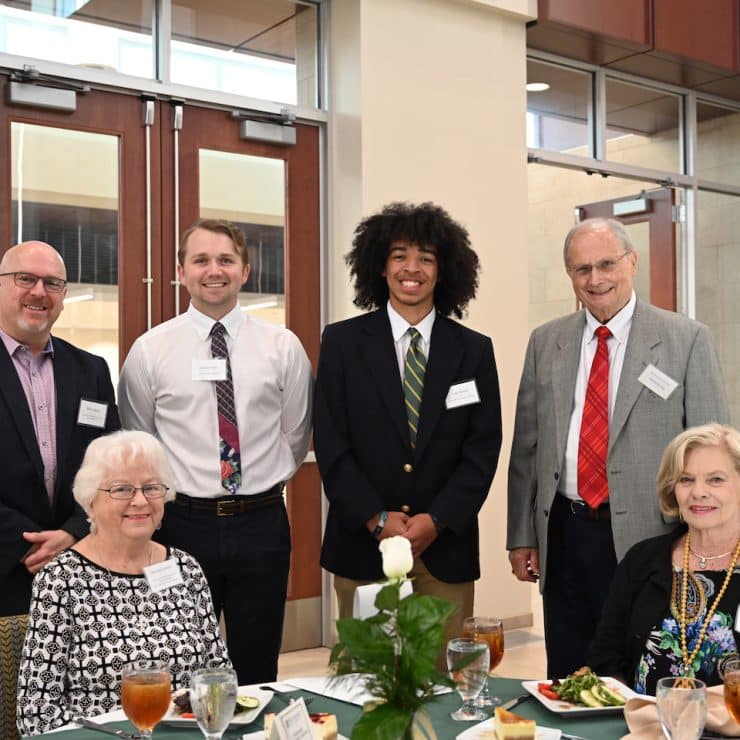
[[662, 655]]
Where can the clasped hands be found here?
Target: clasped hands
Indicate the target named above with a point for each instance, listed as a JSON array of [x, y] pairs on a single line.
[[419, 529]]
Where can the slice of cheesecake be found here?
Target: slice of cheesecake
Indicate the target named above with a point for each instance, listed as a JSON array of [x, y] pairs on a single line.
[[324, 725], [510, 726]]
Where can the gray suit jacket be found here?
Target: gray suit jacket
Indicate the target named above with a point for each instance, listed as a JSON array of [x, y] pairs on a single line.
[[642, 422]]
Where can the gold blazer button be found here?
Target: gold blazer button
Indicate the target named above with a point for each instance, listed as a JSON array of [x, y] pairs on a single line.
[[408, 468]]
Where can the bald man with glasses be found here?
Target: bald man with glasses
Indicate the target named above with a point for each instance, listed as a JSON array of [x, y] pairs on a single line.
[[602, 392], [54, 399]]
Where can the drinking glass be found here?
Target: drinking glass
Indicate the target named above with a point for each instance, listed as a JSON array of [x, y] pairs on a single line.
[[682, 707], [731, 681], [490, 630], [213, 698], [145, 693], [470, 677]]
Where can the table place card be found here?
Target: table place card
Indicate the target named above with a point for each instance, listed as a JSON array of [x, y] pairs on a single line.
[[293, 723]]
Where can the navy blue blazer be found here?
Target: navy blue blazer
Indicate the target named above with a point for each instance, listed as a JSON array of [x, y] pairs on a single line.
[[365, 456], [24, 503]]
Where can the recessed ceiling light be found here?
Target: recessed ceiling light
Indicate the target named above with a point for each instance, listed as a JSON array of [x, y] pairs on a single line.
[[537, 86]]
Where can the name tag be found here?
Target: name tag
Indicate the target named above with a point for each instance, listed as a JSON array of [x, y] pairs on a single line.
[[163, 575], [657, 381], [214, 369], [293, 723], [462, 394], [737, 619], [92, 413]]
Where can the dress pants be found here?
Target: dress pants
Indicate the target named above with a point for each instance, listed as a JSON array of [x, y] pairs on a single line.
[[246, 560], [580, 566]]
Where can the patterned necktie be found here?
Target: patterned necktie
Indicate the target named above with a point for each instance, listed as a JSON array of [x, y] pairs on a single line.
[[593, 486], [231, 463], [413, 382]]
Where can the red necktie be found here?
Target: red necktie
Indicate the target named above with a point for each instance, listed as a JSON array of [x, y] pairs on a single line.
[[593, 486]]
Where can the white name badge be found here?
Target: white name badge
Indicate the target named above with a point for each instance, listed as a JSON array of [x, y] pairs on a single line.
[[92, 413], [657, 381], [163, 575], [214, 369], [462, 394], [737, 619], [293, 723]]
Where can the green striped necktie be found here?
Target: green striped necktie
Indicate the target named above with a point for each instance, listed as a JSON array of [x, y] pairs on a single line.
[[413, 382]]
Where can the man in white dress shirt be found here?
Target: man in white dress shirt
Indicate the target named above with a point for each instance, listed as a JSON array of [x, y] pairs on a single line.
[[230, 398]]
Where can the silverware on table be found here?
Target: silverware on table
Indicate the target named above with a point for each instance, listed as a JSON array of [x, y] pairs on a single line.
[[90, 725], [285, 697], [516, 701], [566, 736]]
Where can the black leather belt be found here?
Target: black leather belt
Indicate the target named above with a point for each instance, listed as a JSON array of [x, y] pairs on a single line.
[[582, 510], [232, 505]]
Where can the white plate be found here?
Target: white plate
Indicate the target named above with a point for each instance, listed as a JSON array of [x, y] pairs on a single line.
[[173, 717], [565, 707], [484, 731], [260, 735]]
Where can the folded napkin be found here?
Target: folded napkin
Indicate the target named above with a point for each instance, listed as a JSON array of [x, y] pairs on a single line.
[[641, 716]]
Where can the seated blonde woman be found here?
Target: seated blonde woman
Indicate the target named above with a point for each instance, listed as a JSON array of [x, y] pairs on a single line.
[[99, 605], [674, 599]]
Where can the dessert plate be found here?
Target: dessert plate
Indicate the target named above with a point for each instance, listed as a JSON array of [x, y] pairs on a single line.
[[484, 731]]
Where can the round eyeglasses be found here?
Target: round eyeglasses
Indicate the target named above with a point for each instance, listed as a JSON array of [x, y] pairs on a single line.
[[125, 491]]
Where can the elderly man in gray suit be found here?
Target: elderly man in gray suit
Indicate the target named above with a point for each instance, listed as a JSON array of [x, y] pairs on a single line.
[[602, 393]]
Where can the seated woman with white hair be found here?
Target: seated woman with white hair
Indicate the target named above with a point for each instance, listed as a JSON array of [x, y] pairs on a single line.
[[100, 604]]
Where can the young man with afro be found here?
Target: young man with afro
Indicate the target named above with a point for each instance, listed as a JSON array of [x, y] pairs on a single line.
[[407, 422]]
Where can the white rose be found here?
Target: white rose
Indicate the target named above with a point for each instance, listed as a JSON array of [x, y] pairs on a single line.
[[397, 557]]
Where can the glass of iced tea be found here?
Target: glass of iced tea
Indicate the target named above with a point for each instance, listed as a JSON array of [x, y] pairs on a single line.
[[491, 631], [731, 680], [145, 693]]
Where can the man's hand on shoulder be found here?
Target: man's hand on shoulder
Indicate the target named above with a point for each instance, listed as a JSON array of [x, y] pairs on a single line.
[[525, 563], [421, 532], [45, 546]]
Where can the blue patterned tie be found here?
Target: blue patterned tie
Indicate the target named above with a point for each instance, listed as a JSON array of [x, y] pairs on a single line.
[[413, 382], [231, 463]]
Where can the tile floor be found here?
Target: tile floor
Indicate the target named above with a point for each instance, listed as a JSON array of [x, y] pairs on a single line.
[[524, 657]]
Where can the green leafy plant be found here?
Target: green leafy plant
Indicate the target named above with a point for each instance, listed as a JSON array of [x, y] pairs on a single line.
[[396, 651]]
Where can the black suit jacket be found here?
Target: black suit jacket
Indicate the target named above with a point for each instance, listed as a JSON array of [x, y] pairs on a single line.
[[365, 457], [24, 503]]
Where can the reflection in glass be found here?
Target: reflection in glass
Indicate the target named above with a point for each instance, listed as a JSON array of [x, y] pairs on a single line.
[[112, 35], [718, 143], [65, 192], [642, 126], [557, 118], [257, 205], [260, 49], [717, 259]]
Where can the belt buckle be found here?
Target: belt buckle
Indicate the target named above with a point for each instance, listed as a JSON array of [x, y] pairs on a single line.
[[222, 508]]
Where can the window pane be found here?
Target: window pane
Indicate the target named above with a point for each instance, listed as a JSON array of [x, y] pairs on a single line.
[[260, 48], [718, 143], [642, 126], [258, 207], [99, 33], [65, 193], [557, 118], [718, 284]]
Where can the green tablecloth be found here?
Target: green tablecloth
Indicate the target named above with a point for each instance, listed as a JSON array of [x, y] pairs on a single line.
[[611, 727]]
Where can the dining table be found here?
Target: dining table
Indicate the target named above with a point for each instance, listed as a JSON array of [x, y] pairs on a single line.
[[589, 727]]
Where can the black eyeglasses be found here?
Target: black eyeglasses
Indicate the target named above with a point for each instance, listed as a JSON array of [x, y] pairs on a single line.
[[603, 266], [28, 280], [125, 491]]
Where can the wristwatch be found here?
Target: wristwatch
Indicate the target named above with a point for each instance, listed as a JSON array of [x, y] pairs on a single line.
[[382, 519], [437, 524]]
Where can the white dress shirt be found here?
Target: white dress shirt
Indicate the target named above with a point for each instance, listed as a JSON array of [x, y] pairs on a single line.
[[273, 390], [402, 339], [619, 325]]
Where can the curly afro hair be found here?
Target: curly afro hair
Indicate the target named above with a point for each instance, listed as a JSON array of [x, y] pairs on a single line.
[[426, 225]]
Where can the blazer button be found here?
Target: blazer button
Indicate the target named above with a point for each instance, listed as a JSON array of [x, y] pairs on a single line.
[[408, 468], [405, 508]]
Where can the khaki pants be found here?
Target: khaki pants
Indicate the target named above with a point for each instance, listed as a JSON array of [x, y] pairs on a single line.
[[425, 583]]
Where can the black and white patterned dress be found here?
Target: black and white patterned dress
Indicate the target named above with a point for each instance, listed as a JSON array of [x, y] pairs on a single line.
[[85, 624]]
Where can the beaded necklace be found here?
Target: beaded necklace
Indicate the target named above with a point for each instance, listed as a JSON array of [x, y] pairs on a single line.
[[688, 660]]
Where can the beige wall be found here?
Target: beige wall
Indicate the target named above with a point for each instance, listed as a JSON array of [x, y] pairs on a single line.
[[428, 103]]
